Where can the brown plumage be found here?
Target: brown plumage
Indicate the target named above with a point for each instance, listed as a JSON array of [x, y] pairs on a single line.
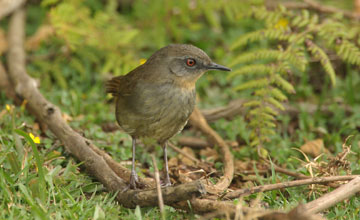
[[155, 100]]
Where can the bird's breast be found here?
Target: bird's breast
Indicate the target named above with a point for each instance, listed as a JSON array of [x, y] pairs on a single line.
[[157, 111]]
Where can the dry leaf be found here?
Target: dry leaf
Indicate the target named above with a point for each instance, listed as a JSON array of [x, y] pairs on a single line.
[[173, 162], [314, 148], [209, 154], [185, 160]]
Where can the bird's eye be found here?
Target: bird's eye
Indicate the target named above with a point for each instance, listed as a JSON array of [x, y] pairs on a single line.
[[190, 62]]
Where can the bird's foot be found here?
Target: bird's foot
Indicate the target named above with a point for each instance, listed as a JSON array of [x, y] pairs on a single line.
[[166, 183], [134, 180]]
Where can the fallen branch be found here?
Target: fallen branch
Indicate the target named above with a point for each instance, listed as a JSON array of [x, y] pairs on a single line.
[[171, 195], [198, 143], [264, 188], [193, 142], [197, 120], [313, 5], [328, 200], [8, 6], [234, 108]]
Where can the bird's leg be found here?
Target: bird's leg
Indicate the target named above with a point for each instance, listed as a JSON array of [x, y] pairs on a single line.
[[167, 178], [133, 177]]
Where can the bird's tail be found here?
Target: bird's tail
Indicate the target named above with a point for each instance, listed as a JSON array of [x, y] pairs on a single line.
[[112, 86]]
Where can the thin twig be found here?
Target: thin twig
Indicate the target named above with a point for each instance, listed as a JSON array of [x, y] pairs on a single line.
[[193, 142], [158, 187], [180, 151], [290, 173], [276, 186]]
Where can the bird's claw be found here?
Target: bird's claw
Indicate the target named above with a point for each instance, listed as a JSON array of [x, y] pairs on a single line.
[[134, 180], [166, 183]]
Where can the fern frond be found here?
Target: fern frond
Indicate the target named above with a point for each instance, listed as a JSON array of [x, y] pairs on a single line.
[[276, 93], [278, 80], [271, 34], [275, 103], [263, 54], [349, 52], [258, 69], [256, 83], [319, 53]]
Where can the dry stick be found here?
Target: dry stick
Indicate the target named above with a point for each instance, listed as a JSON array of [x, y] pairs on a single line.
[[8, 6], [235, 108], [158, 187], [290, 173], [171, 195], [299, 175], [77, 145], [198, 143], [264, 188], [198, 121], [193, 142], [326, 201], [312, 5], [180, 151], [329, 9]]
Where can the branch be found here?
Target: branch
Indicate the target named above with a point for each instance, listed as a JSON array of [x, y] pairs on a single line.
[[228, 112], [264, 188], [171, 195], [235, 108], [198, 121], [313, 5], [8, 6], [328, 200]]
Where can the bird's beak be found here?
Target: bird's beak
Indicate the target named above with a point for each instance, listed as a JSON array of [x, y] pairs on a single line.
[[215, 66]]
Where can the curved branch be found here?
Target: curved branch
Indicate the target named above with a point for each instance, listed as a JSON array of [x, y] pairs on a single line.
[[198, 121], [264, 188]]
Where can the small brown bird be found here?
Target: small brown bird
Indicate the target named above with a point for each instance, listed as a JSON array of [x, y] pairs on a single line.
[[155, 100]]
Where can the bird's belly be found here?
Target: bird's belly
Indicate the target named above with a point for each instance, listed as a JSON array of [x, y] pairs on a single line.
[[158, 116]]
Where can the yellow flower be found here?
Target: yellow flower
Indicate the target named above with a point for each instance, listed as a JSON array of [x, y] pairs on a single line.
[[282, 23], [142, 61], [8, 107], [35, 139]]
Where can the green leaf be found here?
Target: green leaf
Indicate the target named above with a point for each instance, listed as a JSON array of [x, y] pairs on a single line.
[[283, 83], [256, 83]]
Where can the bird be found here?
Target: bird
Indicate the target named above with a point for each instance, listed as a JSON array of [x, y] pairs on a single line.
[[156, 99]]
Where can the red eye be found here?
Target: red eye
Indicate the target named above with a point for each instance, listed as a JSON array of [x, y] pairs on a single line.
[[190, 62]]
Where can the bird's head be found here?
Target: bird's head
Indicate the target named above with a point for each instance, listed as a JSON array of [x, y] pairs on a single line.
[[184, 63]]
